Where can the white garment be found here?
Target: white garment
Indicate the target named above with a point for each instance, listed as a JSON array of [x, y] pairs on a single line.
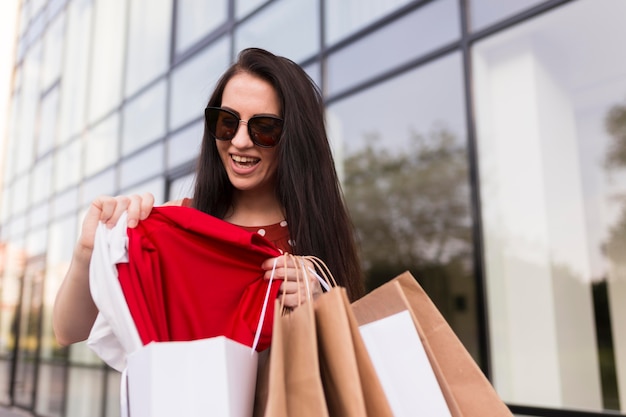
[[114, 334]]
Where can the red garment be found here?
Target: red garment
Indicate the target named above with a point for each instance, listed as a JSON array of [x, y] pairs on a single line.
[[193, 276], [277, 233]]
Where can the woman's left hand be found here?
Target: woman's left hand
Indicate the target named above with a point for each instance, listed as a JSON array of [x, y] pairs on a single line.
[[294, 286]]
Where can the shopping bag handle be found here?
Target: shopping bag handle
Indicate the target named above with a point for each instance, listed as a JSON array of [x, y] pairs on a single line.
[[326, 281], [259, 326], [326, 278]]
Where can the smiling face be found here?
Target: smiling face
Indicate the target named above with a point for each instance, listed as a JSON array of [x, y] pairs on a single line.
[[250, 168]]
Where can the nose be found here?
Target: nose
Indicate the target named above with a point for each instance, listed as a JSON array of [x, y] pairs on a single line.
[[242, 137]]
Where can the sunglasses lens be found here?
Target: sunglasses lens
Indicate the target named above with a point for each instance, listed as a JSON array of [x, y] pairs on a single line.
[[221, 124], [265, 131]]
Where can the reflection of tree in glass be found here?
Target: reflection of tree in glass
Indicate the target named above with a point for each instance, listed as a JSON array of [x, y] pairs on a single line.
[[615, 123], [411, 208], [615, 250]]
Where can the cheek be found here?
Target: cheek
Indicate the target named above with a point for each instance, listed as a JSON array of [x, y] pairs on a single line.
[[272, 159]]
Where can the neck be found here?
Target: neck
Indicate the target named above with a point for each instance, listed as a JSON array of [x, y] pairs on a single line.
[[255, 209]]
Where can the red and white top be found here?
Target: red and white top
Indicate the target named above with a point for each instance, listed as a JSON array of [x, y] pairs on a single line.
[[192, 276], [180, 275]]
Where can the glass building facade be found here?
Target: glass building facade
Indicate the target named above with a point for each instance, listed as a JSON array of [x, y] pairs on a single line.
[[481, 145]]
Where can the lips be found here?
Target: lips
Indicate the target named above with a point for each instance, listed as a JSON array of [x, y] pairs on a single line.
[[244, 162]]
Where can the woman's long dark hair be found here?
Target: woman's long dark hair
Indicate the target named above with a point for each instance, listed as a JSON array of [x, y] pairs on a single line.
[[307, 184]]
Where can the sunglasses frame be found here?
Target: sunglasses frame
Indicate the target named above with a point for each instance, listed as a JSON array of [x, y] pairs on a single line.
[[251, 132]]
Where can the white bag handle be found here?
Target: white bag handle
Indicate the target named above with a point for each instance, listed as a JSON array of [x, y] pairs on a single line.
[[259, 326], [324, 281]]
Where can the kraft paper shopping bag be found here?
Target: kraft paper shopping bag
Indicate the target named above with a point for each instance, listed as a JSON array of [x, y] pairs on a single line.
[[467, 391], [351, 385], [403, 367], [293, 386]]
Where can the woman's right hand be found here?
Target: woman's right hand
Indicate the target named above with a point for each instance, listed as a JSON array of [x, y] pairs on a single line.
[[74, 311], [108, 210]]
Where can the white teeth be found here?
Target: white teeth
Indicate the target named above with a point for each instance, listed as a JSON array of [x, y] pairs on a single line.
[[244, 159]]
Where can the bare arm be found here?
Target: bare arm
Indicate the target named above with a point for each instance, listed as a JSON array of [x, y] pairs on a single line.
[[74, 311]]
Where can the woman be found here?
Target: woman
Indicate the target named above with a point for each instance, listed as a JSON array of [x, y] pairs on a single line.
[[265, 163]]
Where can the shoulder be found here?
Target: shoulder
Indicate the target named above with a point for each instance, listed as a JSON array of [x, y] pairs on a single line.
[[182, 202]]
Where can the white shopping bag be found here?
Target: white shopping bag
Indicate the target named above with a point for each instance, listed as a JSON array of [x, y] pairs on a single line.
[[207, 377], [403, 368]]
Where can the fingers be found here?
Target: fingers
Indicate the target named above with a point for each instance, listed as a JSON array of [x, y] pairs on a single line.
[[294, 294], [298, 285], [109, 209], [282, 261], [288, 267], [139, 207], [147, 203]]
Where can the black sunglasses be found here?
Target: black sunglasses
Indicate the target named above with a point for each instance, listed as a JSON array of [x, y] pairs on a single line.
[[222, 124]]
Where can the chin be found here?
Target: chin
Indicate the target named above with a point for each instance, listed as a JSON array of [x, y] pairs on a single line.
[[244, 185]]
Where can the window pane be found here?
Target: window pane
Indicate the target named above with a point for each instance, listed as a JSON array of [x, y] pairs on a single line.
[[287, 28], [404, 167], [107, 57], [52, 53], [42, 180], [28, 108], [113, 393], [81, 354], [485, 12], [84, 397], [427, 28], [144, 118], [36, 240], [36, 6], [13, 139], [142, 166], [24, 17], [18, 228], [243, 7], [9, 297], [21, 194], [156, 186], [348, 16], [550, 105], [6, 213], [54, 7], [194, 80], [65, 202], [197, 18], [27, 327], [5, 384], [314, 70], [101, 145], [185, 145], [101, 184], [48, 123], [67, 165], [39, 215], [36, 27], [148, 42], [182, 187], [50, 390], [74, 79], [7, 230]]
